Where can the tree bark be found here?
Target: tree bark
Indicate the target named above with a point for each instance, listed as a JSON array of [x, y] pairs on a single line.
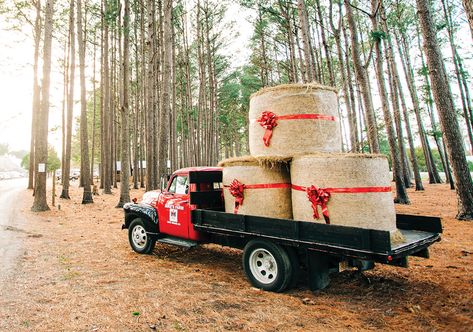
[[124, 110], [36, 93], [166, 88], [106, 140], [70, 105], [41, 140], [84, 136], [444, 101]]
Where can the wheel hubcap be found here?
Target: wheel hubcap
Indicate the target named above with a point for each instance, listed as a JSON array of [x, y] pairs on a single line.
[[263, 266], [139, 236]]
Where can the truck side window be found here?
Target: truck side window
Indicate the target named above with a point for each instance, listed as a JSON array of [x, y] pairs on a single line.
[[179, 185]]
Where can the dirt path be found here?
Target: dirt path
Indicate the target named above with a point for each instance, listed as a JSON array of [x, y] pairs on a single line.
[[77, 273], [11, 223]]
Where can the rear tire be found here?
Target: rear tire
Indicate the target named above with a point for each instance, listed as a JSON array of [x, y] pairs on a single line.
[[267, 265], [140, 241]]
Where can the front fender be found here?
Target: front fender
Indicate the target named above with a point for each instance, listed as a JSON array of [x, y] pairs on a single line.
[[146, 212]]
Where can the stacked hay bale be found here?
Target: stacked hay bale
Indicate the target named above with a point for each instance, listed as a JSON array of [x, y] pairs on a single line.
[[300, 121], [254, 188], [294, 119], [344, 189]]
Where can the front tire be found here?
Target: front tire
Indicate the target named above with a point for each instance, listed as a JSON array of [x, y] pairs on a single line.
[[267, 265], [140, 241]]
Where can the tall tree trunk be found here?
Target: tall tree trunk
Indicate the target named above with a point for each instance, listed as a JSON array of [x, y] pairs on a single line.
[[106, 139], [362, 78], [166, 88], [393, 80], [70, 106], [84, 136], [356, 130], [36, 93], [150, 105], [429, 100], [401, 194], [410, 137], [41, 140], [444, 101], [124, 110], [92, 158]]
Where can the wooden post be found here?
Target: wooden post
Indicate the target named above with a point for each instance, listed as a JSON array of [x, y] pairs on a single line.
[[54, 189]]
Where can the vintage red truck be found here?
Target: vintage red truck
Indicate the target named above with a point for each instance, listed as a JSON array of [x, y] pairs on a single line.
[[189, 211]]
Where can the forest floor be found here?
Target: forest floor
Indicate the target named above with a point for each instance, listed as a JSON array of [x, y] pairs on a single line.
[[78, 273]]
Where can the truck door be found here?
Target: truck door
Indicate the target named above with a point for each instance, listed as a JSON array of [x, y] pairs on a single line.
[[173, 208]]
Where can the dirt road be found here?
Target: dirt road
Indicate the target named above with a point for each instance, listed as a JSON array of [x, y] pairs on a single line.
[[11, 223]]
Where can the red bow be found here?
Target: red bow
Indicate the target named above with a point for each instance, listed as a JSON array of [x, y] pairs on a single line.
[[236, 190], [320, 197], [267, 120]]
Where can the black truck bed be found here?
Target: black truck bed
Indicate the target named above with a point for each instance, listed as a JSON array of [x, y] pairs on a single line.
[[352, 242]]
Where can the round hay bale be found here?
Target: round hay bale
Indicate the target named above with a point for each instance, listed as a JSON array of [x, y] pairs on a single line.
[[252, 189], [344, 189], [294, 119]]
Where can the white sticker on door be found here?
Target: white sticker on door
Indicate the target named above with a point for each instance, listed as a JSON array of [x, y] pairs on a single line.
[[173, 216]]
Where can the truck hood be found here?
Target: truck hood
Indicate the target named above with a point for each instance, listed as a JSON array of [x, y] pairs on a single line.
[[151, 197]]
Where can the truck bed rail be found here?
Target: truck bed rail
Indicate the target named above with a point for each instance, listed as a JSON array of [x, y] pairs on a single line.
[[349, 241]]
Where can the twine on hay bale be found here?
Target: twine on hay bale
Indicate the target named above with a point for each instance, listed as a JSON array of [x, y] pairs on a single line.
[[357, 186], [252, 189], [294, 119]]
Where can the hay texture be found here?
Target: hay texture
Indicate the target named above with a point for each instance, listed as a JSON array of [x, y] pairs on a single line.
[[373, 210], [264, 202], [295, 136]]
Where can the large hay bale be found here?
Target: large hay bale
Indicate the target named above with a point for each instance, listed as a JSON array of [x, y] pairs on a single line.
[[345, 189], [253, 188], [303, 118]]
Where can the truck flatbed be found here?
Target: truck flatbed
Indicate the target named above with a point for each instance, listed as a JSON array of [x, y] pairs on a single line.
[[353, 242]]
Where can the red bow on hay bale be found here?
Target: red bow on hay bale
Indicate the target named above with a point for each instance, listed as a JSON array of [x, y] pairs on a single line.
[[236, 190], [267, 120], [318, 196]]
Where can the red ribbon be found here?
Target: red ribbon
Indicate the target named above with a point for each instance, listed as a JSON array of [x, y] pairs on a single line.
[[268, 120], [318, 196], [236, 190]]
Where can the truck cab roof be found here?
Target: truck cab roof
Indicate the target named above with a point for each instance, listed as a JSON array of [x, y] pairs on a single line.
[[187, 170]]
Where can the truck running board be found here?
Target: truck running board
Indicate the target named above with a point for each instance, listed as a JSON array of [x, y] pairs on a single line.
[[178, 242]]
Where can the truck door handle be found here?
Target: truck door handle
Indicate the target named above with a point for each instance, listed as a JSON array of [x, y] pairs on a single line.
[[185, 202]]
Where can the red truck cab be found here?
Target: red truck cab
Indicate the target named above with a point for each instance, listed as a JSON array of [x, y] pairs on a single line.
[[166, 214]]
